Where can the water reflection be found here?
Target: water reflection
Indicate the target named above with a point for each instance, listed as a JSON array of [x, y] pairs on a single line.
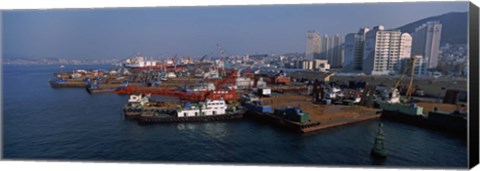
[[217, 130]]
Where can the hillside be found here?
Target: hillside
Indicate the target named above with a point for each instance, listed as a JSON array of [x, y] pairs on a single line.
[[454, 27]]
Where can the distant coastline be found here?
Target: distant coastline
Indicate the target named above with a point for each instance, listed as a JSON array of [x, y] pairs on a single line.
[[48, 61]]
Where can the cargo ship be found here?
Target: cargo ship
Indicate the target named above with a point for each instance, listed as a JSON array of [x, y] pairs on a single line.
[[208, 110], [139, 62]]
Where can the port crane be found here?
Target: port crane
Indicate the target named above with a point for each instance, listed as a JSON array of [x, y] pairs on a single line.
[[197, 66], [411, 69], [220, 91], [222, 58], [410, 89], [327, 78]]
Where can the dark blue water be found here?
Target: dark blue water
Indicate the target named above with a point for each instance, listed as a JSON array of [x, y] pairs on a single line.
[[40, 122]]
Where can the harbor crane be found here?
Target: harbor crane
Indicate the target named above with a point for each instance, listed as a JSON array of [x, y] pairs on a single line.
[[327, 78], [410, 89], [411, 69], [222, 58]]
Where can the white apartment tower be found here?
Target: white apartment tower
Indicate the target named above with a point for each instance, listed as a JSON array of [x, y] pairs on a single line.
[[312, 50], [426, 42], [405, 48], [381, 53]]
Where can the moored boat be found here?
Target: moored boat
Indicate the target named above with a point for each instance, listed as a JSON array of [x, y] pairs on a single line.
[[209, 110]]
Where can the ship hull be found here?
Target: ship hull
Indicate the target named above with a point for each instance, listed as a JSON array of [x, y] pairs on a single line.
[[441, 122], [104, 90], [159, 120]]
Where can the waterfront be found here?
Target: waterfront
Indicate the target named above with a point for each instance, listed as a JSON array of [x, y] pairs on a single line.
[[40, 122]]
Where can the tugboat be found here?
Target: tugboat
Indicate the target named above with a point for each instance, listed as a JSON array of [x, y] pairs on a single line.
[[378, 150]]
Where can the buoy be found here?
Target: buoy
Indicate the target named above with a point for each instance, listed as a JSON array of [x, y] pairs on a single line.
[[378, 150]]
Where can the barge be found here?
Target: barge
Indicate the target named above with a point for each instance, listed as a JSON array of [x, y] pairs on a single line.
[[295, 119], [63, 83], [404, 113], [100, 90], [94, 88], [306, 127], [450, 122]]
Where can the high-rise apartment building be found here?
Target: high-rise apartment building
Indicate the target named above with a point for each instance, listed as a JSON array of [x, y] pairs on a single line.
[[312, 50], [426, 43], [325, 48], [381, 52], [405, 48], [335, 56], [348, 51], [353, 52]]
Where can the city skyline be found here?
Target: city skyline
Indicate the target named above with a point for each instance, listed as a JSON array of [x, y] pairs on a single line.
[[194, 31]]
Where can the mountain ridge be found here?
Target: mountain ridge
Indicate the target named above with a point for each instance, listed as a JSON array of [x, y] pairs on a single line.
[[454, 27]]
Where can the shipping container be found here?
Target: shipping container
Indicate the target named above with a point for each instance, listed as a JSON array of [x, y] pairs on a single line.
[[258, 106]]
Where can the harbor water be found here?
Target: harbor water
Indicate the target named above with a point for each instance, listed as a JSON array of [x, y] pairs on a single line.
[[44, 123]]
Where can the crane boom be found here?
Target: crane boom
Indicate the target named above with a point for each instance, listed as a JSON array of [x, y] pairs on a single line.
[[412, 74], [327, 78], [230, 79], [203, 58]]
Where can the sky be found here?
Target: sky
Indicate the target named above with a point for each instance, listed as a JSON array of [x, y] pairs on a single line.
[[118, 33]]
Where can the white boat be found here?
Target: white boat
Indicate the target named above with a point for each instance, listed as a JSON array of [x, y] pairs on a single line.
[[207, 108], [171, 75]]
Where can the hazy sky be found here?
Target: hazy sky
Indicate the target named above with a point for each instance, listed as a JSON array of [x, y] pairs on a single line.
[[195, 31]]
